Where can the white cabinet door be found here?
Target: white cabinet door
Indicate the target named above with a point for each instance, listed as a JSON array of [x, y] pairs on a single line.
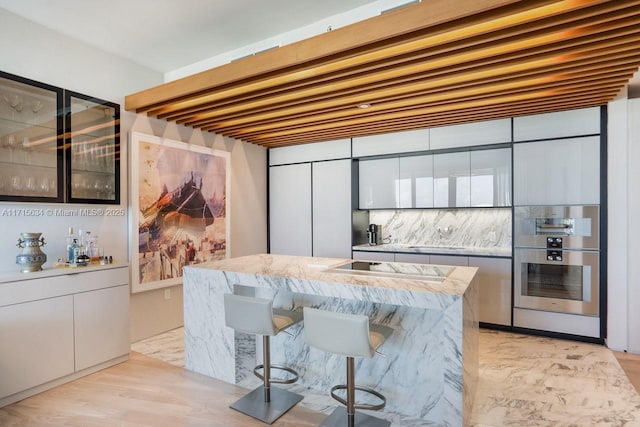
[[373, 256], [491, 177], [416, 182], [415, 258], [332, 209], [462, 261], [452, 181], [494, 277], [290, 209], [557, 172], [378, 183], [36, 343], [101, 321]]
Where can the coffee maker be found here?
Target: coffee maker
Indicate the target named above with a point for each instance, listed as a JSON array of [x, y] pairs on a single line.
[[373, 232]]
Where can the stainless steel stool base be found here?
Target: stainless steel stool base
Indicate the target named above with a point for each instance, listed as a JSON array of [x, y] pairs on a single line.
[[339, 418], [254, 405]]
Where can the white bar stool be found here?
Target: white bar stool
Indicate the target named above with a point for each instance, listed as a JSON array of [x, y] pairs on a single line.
[[257, 316], [352, 336]]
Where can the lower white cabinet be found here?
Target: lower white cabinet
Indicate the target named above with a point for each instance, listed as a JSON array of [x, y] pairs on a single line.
[[373, 256], [414, 258], [59, 327], [462, 261], [36, 343], [101, 320], [494, 276]]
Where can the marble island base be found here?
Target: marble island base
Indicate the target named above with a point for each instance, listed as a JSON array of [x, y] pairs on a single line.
[[429, 369]]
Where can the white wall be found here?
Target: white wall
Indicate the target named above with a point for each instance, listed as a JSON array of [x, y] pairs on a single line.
[[32, 51], [623, 328]]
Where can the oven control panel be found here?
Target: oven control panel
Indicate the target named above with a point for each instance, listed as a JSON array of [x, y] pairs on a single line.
[[554, 248]]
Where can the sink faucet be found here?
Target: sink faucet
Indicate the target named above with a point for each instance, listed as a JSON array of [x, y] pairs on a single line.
[[446, 231]]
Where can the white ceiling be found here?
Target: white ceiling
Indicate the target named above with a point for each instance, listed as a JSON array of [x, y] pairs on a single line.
[[168, 34]]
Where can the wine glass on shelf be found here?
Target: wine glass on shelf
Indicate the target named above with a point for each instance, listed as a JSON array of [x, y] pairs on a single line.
[[36, 106], [31, 184], [12, 143], [27, 147], [16, 184], [43, 185]]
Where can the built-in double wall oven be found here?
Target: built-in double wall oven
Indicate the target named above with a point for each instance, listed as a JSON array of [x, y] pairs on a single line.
[[556, 268]]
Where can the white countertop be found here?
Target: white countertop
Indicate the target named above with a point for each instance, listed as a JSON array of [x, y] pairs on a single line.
[[437, 249], [6, 277]]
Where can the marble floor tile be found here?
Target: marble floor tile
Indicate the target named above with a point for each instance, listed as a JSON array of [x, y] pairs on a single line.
[[523, 381]]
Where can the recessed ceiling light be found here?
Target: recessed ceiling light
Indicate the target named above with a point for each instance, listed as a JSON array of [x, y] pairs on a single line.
[[364, 105]]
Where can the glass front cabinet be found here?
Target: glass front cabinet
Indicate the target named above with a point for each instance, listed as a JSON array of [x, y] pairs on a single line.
[[57, 145], [92, 149]]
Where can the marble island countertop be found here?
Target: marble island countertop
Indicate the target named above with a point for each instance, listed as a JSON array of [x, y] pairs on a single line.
[[430, 370], [405, 277], [443, 249]]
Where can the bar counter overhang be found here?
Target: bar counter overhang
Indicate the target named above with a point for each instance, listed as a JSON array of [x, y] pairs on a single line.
[[430, 367]]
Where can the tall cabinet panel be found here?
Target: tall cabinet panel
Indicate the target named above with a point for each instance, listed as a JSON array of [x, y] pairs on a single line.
[[332, 208], [290, 209]]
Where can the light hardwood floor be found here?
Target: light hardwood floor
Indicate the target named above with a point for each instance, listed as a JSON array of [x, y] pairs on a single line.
[[631, 365], [142, 392]]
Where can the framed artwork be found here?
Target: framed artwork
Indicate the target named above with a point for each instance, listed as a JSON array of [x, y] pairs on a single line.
[[180, 214]]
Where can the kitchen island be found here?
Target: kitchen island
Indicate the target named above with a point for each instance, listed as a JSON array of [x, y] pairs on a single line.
[[430, 367]]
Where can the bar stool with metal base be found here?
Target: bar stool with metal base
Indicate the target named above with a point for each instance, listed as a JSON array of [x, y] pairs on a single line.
[[257, 316], [352, 336]]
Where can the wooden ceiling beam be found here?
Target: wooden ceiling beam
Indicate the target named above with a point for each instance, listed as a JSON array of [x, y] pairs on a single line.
[[516, 86], [598, 44], [461, 116], [431, 64], [264, 88], [447, 84]]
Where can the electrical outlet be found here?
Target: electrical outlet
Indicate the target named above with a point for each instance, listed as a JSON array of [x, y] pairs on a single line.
[[167, 294]]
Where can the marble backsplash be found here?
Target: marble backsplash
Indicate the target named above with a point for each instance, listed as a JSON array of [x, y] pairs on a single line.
[[441, 227]]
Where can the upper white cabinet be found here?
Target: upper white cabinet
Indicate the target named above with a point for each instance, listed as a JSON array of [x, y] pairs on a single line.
[[378, 184], [479, 178], [416, 182], [585, 121], [290, 209], [328, 150], [557, 172], [470, 134], [391, 143], [491, 177], [451, 180], [332, 208]]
